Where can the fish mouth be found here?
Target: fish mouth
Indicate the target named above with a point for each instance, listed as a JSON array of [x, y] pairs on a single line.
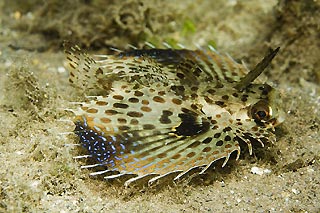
[[280, 119], [274, 122], [275, 102]]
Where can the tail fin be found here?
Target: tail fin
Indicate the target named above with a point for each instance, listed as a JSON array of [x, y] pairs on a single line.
[[83, 67]]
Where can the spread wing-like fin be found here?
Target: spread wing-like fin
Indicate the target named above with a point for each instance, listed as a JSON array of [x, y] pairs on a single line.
[[127, 133]]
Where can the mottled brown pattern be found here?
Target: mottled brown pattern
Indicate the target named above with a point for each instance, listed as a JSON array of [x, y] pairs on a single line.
[[169, 110]]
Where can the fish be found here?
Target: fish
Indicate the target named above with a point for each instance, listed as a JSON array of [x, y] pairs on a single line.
[[155, 113]]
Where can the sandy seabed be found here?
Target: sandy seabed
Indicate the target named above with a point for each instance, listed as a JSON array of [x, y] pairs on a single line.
[[38, 172]]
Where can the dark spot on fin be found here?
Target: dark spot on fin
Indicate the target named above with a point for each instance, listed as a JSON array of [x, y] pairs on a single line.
[[189, 126], [259, 68]]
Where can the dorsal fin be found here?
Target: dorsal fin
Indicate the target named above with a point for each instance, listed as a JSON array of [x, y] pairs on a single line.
[[255, 72]]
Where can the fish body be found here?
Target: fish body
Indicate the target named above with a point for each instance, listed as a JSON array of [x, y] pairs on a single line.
[[155, 112]]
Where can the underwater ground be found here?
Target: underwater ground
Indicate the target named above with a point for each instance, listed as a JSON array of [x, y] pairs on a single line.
[[37, 170]]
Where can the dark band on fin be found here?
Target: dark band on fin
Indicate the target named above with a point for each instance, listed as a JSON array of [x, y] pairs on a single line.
[[189, 126]]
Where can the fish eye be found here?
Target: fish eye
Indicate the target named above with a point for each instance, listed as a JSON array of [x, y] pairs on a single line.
[[261, 114], [260, 111]]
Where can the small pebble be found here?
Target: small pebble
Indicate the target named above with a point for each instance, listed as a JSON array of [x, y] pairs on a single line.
[[260, 171]]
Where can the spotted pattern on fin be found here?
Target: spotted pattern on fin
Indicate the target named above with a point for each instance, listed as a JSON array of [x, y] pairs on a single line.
[[157, 112]]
